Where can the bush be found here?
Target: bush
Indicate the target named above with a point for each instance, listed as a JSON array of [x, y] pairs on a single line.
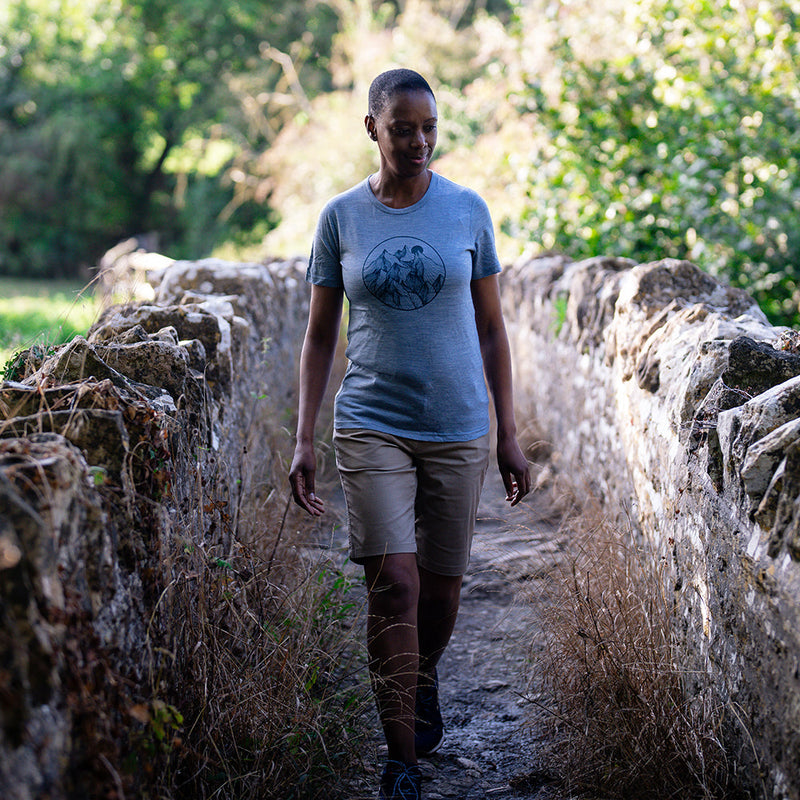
[[683, 143]]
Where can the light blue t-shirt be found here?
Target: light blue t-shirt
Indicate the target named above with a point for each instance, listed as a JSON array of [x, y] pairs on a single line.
[[415, 367]]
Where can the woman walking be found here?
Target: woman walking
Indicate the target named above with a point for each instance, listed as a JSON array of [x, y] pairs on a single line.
[[415, 255]]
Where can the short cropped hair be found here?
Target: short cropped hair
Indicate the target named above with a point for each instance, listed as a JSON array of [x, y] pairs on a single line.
[[392, 82]]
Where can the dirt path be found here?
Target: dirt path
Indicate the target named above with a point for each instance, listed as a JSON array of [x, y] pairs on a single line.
[[489, 748], [489, 744]]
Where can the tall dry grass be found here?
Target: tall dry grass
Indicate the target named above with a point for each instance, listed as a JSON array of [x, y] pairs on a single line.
[[620, 710], [264, 675], [259, 682]]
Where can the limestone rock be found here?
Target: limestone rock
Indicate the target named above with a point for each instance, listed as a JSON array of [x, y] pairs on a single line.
[[679, 402], [592, 286], [652, 295], [760, 450], [44, 489], [763, 456], [785, 533], [78, 361], [100, 434], [209, 323], [754, 367], [656, 285], [110, 448], [751, 421]]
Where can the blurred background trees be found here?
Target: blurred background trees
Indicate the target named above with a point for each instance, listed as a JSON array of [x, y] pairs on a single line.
[[119, 117], [642, 129]]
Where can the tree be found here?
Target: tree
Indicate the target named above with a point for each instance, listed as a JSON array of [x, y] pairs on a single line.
[[119, 117]]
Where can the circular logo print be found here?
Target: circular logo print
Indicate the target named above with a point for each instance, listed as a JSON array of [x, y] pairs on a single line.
[[404, 273]]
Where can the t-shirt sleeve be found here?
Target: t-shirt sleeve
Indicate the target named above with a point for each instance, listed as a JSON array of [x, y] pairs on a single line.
[[484, 256], [324, 264]]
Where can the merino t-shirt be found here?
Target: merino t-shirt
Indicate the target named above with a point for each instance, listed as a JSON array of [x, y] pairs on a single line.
[[415, 367]]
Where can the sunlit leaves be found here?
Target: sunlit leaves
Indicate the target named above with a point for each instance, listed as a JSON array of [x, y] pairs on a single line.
[[686, 143], [115, 115], [642, 129]]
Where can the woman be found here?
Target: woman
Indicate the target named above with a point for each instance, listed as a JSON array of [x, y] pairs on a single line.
[[415, 255]]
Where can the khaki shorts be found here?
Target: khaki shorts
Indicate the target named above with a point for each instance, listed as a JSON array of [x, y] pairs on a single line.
[[408, 496]]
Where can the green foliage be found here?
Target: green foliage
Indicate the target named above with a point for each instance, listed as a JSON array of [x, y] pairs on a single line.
[[648, 129], [683, 144], [121, 117], [559, 313], [162, 723], [325, 150]]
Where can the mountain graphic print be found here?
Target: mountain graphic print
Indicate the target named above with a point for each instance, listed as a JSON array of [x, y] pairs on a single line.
[[404, 273]]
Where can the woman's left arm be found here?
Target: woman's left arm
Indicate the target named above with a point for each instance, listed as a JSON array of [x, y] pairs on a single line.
[[496, 356]]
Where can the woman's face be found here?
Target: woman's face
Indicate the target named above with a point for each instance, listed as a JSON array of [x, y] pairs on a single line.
[[406, 133]]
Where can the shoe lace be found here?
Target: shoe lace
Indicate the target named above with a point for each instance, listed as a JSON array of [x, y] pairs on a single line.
[[406, 783]]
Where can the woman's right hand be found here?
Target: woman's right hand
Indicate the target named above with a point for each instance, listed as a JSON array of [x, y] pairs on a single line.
[[301, 479]]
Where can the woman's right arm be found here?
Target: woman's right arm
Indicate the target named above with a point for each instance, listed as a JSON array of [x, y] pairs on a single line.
[[316, 359]]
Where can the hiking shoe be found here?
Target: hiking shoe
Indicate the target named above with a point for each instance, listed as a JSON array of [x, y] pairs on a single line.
[[400, 782], [428, 725]]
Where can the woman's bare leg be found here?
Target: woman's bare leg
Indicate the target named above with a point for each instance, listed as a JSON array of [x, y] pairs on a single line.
[[439, 597], [393, 584]]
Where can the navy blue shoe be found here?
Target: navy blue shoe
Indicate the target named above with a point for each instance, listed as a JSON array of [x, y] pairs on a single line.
[[428, 725], [400, 782]]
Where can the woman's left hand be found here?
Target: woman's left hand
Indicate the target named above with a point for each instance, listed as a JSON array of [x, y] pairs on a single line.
[[514, 469]]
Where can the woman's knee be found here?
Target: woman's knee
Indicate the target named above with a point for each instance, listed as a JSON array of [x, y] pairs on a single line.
[[393, 585]]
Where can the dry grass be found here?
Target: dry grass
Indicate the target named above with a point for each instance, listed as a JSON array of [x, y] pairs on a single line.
[[264, 674], [620, 712], [255, 684], [255, 640], [254, 647]]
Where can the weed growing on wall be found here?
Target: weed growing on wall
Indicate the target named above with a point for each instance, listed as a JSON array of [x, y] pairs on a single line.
[[621, 713]]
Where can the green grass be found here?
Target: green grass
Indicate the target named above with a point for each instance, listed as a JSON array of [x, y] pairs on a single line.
[[42, 312]]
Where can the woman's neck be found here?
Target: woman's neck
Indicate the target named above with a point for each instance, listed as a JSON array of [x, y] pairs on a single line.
[[399, 192]]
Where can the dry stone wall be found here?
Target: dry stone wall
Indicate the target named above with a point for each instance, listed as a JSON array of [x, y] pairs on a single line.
[[668, 391], [675, 400], [162, 425]]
